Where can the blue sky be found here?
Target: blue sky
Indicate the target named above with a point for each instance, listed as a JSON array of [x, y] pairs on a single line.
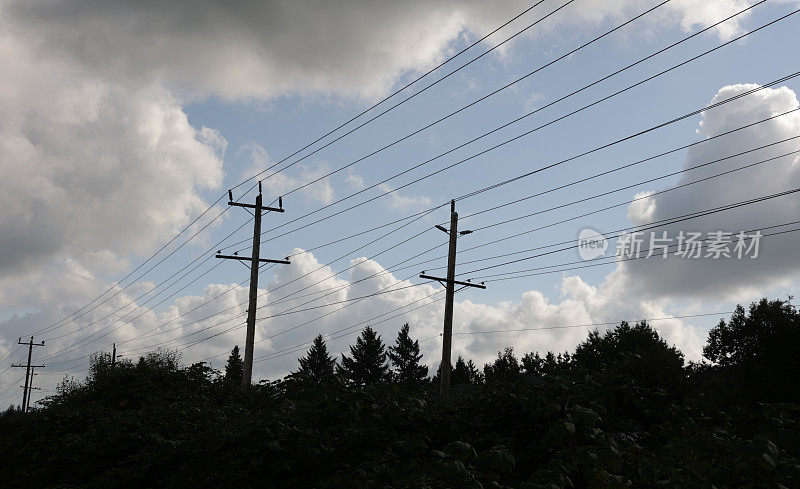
[[139, 129]]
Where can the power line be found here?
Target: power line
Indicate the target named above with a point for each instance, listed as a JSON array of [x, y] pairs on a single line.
[[615, 260], [411, 97], [564, 56], [626, 202], [344, 331], [591, 325], [661, 223], [526, 133], [189, 226], [655, 179], [398, 91]]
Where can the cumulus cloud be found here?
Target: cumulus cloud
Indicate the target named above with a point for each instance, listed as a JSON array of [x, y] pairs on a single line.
[[401, 202], [253, 49], [718, 278], [90, 166], [100, 163], [276, 184]]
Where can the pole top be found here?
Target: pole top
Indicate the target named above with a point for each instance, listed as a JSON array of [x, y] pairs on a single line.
[[452, 206], [259, 186]]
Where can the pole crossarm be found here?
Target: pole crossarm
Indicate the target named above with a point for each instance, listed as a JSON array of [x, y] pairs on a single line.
[[248, 258], [32, 366], [443, 281]]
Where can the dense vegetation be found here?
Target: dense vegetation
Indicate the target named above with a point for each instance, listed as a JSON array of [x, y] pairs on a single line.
[[622, 410]]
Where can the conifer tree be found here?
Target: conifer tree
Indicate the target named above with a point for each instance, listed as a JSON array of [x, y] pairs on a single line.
[[405, 357], [506, 368], [234, 369], [465, 373], [317, 365], [368, 364]]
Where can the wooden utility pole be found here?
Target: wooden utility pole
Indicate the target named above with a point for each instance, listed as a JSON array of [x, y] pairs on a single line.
[[449, 283], [255, 261], [113, 355], [30, 388], [26, 388]]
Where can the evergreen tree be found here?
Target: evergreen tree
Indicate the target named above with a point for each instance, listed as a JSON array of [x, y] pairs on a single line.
[[317, 365], [368, 364], [234, 369], [465, 373], [405, 357], [533, 364], [505, 369]]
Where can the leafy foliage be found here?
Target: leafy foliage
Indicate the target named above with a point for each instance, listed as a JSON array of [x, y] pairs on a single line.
[[755, 351], [588, 420], [632, 352]]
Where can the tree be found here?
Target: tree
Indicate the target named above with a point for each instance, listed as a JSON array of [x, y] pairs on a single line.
[[505, 368], [405, 357], [756, 351], [636, 353], [234, 369], [533, 364], [317, 365], [368, 364], [465, 373]]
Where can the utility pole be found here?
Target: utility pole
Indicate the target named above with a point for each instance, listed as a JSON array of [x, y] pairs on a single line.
[[255, 261], [113, 355], [449, 283], [28, 380], [30, 388]]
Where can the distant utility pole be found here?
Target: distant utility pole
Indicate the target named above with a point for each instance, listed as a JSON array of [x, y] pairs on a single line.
[[30, 388], [26, 397], [113, 355], [255, 261], [450, 282]]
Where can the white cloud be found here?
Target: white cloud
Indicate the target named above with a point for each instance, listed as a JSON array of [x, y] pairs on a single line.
[[405, 202], [250, 49], [277, 184], [100, 162], [643, 208], [681, 277], [90, 167]]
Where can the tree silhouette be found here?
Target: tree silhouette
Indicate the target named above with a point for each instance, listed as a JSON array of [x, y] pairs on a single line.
[[317, 365], [505, 368], [368, 364], [633, 352], [405, 357], [234, 369], [757, 350], [465, 373], [533, 364]]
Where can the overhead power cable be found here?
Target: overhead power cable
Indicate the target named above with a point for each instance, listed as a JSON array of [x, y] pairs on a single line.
[[526, 133], [328, 133]]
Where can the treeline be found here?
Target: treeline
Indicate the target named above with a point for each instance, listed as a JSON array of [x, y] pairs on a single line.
[[623, 409]]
